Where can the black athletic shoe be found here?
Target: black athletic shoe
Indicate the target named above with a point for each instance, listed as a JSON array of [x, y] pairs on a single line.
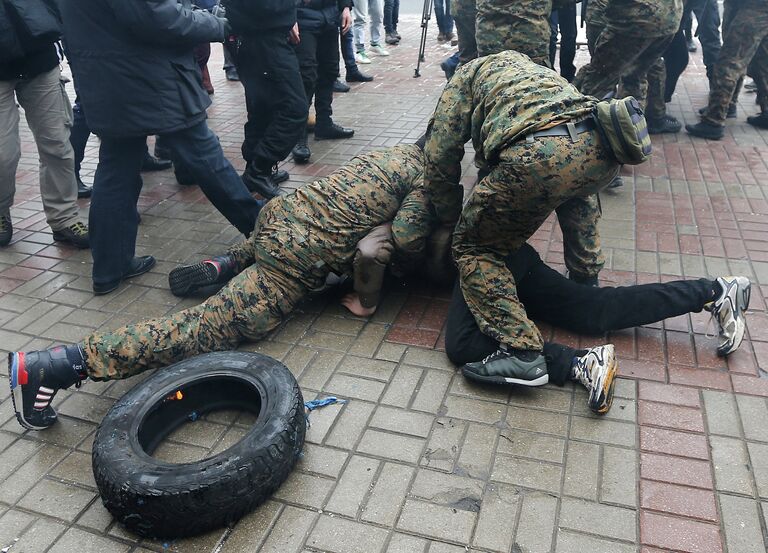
[[663, 125], [139, 266], [706, 130], [76, 234], [730, 114], [338, 86], [83, 191], [332, 131], [526, 368], [760, 120], [596, 370], [358, 77], [188, 278], [6, 230], [35, 377]]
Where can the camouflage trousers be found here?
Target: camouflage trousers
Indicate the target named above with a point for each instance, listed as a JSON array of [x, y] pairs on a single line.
[[621, 57], [745, 40], [522, 25], [464, 14], [531, 180]]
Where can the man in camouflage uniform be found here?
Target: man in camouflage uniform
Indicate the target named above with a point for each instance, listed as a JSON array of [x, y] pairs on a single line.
[[745, 40], [535, 140], [298, 240], [627, 39], [522, 25]]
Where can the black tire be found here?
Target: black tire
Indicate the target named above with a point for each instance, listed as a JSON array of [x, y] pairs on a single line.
[[158, 499]]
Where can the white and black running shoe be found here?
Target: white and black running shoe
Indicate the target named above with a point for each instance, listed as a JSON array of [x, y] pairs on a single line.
[[596, 370], [728, 312]]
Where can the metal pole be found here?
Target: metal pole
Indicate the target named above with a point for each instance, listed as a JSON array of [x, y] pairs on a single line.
[[426, 15]]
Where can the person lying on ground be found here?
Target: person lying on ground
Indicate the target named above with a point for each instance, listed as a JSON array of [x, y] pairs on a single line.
[[549, 297], [298, 240]]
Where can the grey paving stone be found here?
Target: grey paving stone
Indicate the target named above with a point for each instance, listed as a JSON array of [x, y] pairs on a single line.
[[290, 531], [722, 415], [729, 457], [451, 490], [477, 452], [322, 460], [428, 358], [430, 395], [343, 536], [461, 386], [320, 369], [543, 397], [528, 444], [741, 521], [85, 542], [474, 410], [352, 486], [758, 453], [389, 351], [30, 472], [57, 499], [442, 449], [754, 413], [437, 521], [12, 526], [357, 388], [619, 477], [76, 467], [86, 406], [537, 421], [11, 456], [527, 473], [402, 421], [96, 517], [442, 547], [326, 340], [603, 431], [569, 542], [495, 525], [388, 494], [622, 410], [402, 387], [367, 342], [321, 420], [40, 536], [582, 468], [537, 523], [403, 543], [305, 489], [594, 518], [350, 425], [394, 446]]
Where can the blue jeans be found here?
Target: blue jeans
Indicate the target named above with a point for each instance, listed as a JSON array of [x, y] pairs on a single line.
[[348, 52], [391, 15], [443, 16], [113, 219]]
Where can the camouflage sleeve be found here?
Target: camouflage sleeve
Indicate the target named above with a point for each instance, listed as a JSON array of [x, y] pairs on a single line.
[[449, 129], [578, 218], [412, 224]]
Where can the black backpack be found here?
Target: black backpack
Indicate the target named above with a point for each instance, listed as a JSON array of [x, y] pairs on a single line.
[[26, 26]]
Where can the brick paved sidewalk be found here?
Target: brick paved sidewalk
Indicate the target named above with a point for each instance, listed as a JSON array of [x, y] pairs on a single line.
[[419, 460]]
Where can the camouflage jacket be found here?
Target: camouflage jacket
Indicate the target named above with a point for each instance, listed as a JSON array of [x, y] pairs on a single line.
[[495, 100], [637, 17]]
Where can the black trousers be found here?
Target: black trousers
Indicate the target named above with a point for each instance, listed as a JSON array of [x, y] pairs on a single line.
[[274, 96], [550, 297], [564, 19], [675, 62], [318, 54]]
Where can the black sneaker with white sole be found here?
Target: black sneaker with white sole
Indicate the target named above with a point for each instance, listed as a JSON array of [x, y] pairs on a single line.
[[35, 377], [188, 278], [509, 366]]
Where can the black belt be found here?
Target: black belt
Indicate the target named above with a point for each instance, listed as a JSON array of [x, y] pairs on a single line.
[[565, 129]]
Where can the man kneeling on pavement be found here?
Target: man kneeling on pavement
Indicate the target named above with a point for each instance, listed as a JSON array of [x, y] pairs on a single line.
[[298, 241]]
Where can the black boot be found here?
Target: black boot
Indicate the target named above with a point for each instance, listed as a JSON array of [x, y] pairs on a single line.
[[301, 152], [279, 175], [188, 278], [338, 86], [358, 77], [6, 230], [231, 73], [331, 130], [706, 130], [760, 120], [260, 181], [664, 125]]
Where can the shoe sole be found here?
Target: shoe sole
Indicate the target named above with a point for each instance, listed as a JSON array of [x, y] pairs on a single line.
[[742, 301], [502, 380], [608, 385], [183, 280], [15, 366]]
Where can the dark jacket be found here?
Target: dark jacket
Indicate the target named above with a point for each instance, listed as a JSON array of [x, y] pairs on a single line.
[[249, 17], [23, 56], [133, 63], [31, 65], [314, 15]]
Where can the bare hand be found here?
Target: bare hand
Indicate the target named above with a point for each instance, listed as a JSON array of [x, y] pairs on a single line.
[[293, 34], [346, 21], [352, 302]]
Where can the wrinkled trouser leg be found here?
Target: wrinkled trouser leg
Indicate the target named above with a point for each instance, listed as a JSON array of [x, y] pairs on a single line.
[[247, 308], [522, 26]]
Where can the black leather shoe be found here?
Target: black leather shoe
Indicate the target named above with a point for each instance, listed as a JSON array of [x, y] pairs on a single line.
[[139, 266], [338, 86], [358, 77], [260, 182], [83, 191], [232, 74], [301, 152], [152, 163], [6, 230], [332, 131], [760, 120], [706, 130]]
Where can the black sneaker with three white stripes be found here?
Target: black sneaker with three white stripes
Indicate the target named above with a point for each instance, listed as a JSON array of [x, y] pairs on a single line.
[[35, 377]]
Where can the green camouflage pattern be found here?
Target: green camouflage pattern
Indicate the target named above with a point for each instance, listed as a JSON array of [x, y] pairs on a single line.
[[531, 180], [522, 26], [650, 18], [495, 100], [578, 219], [654, 82], [297, 241], [745, 40]]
